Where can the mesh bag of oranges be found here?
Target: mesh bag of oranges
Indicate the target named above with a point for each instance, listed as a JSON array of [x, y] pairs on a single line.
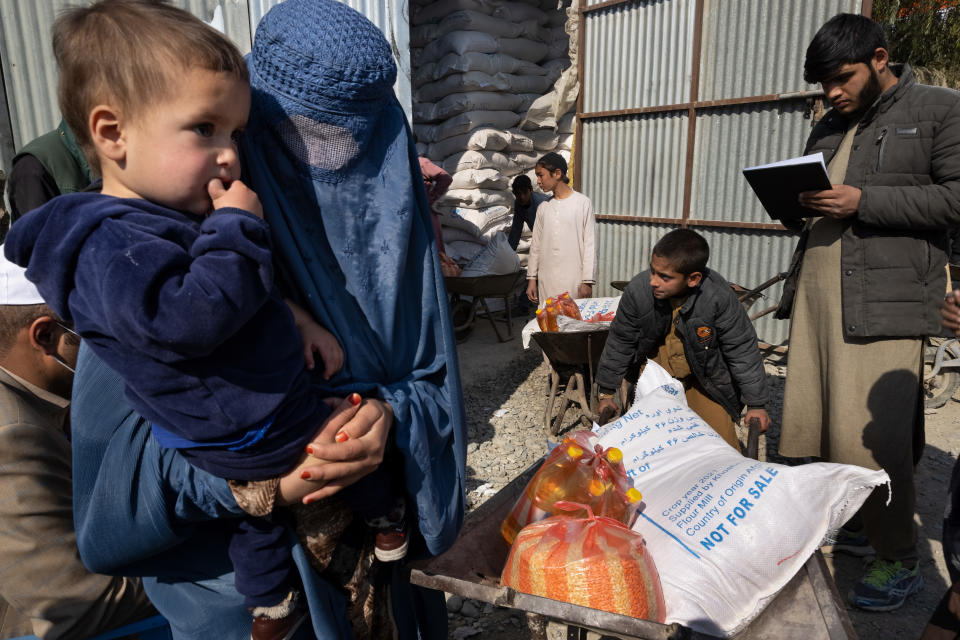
[[578, 470], [590, 561]]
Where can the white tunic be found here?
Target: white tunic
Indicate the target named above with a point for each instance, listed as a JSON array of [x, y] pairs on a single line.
[[562, 249]]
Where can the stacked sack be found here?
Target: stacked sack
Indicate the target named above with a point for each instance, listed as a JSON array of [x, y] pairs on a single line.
[[478, 65]]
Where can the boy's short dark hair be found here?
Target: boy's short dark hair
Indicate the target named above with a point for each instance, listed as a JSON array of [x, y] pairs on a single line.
[[685, 250], [846, 38], [522, 183], [125, 52]]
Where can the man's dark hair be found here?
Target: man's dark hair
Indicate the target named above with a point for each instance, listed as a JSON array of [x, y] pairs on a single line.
[[522, 183], [685, 250], [15, 318], [846, 38]]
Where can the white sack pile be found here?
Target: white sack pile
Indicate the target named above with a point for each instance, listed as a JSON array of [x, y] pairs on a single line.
[[477, 67]]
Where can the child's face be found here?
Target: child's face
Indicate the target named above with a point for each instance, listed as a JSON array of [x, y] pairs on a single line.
[[174, 149], [667, 282], [546, 180]]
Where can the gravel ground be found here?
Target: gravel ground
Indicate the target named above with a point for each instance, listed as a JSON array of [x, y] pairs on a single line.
[[504, 391]]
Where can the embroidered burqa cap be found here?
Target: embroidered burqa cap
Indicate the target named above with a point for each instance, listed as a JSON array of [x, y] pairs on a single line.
[[329, 151]]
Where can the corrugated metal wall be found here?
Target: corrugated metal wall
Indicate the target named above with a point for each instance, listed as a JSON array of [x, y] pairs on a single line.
[[730, 138], [638, 55], [647, 72], [29, 71], [635, 164], [755, 48]]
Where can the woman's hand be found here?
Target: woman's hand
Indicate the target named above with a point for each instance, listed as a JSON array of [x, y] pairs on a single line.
[[349, 445]]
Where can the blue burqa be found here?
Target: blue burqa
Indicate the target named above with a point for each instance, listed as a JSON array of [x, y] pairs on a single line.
[[330, 154]]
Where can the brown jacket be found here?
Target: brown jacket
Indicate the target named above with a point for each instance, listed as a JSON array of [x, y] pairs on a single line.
[[906, 161], [44, 588]]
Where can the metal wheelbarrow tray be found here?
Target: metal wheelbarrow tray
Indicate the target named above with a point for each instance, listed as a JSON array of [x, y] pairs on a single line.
[[807, 608], [575, 354], [480, 288]]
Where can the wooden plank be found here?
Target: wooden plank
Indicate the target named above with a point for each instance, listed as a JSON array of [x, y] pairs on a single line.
[[832, 604], [792, 614]]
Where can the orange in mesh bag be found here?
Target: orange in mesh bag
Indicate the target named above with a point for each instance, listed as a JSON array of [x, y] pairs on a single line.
[[594, 562]]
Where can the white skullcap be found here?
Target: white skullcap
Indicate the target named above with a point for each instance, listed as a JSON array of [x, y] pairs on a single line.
[[15, 289]]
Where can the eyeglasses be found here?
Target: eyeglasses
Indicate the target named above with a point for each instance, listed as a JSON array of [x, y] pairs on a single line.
[[56, 356], [68, 329]]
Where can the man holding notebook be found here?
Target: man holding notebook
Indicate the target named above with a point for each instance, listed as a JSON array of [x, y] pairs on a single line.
[[865, 286]]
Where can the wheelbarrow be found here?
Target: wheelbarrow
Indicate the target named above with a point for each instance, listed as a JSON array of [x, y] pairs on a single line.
[[809, 607], [479, 289], [576, 354]]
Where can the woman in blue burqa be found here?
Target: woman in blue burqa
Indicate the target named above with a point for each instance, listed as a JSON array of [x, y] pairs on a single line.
[[329, 151]]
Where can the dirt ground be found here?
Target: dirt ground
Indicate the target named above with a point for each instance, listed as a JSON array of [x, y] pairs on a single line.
[[483, 363]]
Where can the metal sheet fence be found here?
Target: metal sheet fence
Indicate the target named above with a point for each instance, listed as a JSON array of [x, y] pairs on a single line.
[[635, 166], [638, 55], [753, 48], [731, 138]]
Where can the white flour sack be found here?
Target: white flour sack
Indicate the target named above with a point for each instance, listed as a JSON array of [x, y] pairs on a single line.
[[727, 532], [589, 307]]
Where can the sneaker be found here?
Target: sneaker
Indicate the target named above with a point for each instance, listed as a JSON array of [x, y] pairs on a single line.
[[279, 622], [852, 543], [886, 586], [391, 542]]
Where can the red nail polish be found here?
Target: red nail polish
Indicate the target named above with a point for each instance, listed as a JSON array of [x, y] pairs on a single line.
[[307, 500], [354, 399], [342, 436], [309, 450], [304, 475]]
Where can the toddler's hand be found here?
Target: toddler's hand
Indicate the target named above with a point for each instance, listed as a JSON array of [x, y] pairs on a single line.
[[238, 196], [316, 338]]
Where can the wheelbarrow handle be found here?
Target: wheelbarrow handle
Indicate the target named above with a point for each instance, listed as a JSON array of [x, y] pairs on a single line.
[[753, 438]]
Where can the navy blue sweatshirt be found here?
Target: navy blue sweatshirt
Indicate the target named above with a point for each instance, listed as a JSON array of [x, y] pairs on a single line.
[[185, 309]]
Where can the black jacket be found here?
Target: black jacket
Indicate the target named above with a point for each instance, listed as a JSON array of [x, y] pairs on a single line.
[[718, 338], [906, 161]]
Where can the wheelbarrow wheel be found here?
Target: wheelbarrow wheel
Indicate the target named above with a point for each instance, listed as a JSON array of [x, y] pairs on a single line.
[[938, 390], [461, 313]]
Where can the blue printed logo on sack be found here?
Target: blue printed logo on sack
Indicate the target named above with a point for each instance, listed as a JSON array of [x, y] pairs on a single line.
[[669, 388]]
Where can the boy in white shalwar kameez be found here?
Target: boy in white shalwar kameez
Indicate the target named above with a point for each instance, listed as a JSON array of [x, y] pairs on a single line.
[[562, 249]]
